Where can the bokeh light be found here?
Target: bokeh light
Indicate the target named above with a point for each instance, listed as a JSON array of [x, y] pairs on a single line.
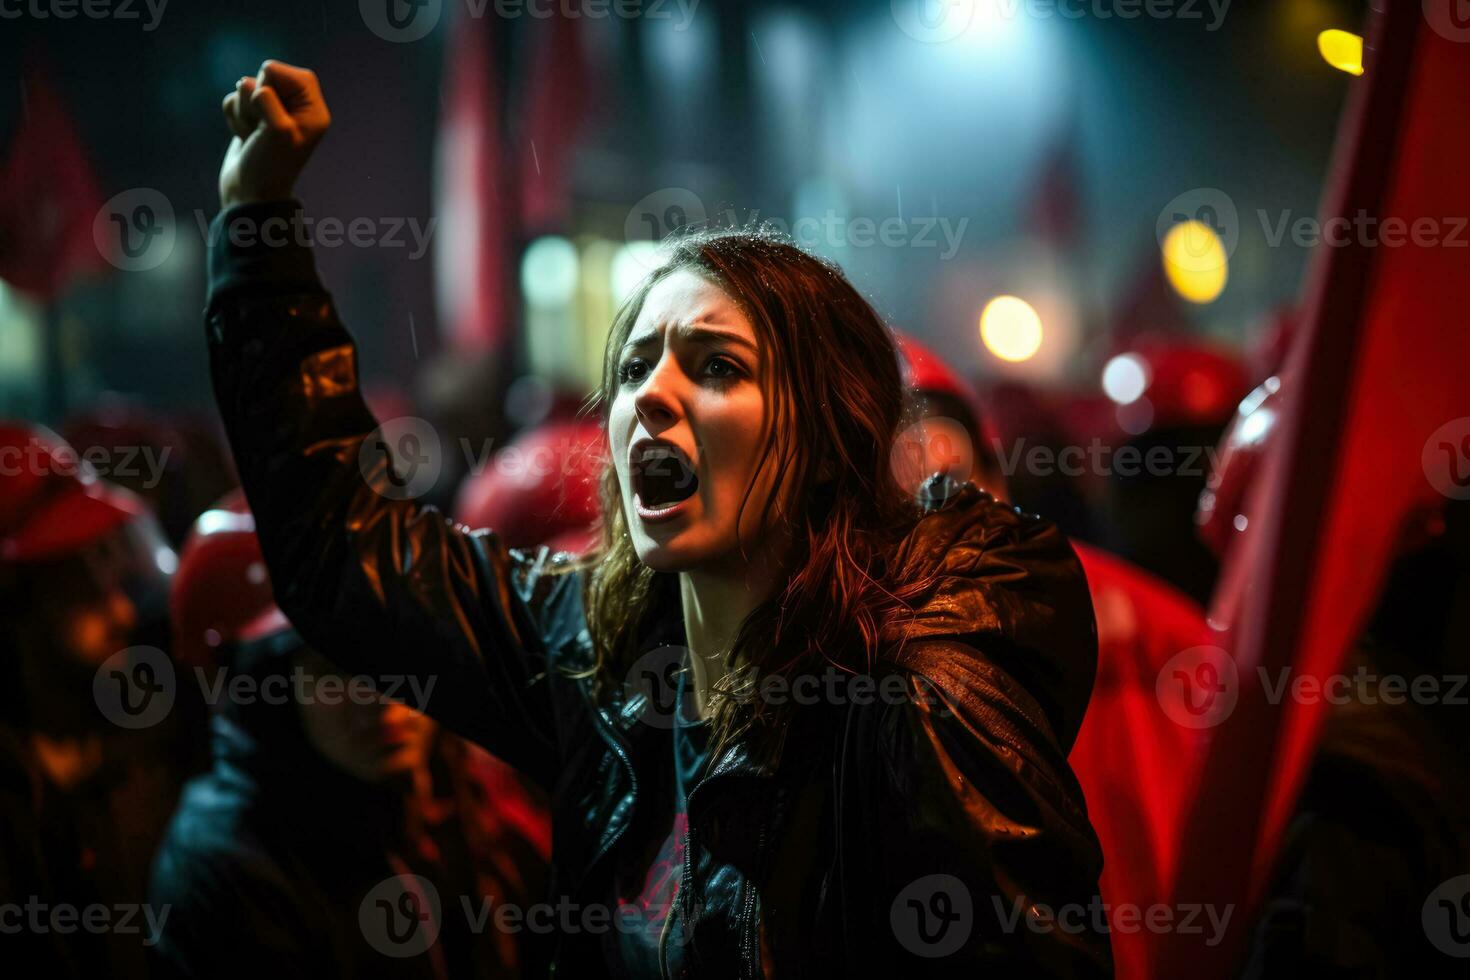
[[1010, 328], [1195, 261], [1125, 378], [1342, 50], [549, 272]]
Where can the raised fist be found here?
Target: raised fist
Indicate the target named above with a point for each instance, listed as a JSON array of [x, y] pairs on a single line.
[[277, 118]]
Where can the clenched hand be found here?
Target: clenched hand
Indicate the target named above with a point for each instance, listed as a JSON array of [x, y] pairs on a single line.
[[277, 118]]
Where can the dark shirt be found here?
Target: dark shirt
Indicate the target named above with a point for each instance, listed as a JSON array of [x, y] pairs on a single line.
[[654, 950]]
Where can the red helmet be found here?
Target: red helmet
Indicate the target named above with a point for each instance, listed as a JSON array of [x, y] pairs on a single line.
[[928, 375], [1221, 511], [51, 501], [221, 590], [925, 372], [541, 488], [1165, 382]]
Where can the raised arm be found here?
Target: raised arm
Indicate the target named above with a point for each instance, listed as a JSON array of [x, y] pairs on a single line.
[[381, 586]]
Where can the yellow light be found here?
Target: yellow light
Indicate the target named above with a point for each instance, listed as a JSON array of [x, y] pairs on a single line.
[[1010, 328], [1195, 261], [1342, 50]]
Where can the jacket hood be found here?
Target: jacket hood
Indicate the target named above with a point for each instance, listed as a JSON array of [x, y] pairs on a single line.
[[1007, 584]]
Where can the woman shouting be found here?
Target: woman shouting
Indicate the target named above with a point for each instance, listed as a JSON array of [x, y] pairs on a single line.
[[795, 719]]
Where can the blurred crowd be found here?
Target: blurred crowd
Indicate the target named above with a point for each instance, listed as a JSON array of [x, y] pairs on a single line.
[[147, 772]]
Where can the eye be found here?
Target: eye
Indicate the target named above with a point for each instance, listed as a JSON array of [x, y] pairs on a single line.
[[722, 368], [632, 370]]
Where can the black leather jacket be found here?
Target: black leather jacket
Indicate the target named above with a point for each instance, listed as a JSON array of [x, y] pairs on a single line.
[[931, 834]]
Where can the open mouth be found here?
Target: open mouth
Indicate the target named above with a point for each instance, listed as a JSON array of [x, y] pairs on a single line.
[[662, 476]]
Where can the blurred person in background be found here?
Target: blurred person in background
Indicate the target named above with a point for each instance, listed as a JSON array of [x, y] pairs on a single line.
[[1384, 815], [317, 796], [798, 825], [1127, 754], [1027, 419], [463, 397], [541, 488], [952, 433], [176, 464], [1182, 396], [84, 573]]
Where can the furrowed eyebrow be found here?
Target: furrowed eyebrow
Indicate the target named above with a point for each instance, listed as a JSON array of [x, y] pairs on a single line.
[[704, 335], [699, 335]]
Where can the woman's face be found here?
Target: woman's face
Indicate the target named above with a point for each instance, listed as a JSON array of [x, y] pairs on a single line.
[[686, 427]]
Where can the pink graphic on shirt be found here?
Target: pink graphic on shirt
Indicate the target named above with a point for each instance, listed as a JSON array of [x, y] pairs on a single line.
[[661, 882]]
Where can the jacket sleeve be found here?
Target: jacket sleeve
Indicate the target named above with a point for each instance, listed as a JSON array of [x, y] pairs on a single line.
[[451, 620], [989, 862], [989, 829]]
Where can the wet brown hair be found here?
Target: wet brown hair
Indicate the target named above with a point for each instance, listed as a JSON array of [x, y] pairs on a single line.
[[834, 402]]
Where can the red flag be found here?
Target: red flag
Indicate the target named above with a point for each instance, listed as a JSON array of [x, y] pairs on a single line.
[[48, 196], [472, 189], [557, 103], [1355, 456], [1131, 752]]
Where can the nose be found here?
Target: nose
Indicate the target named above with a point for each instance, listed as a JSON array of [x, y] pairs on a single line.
[[657, 402]]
